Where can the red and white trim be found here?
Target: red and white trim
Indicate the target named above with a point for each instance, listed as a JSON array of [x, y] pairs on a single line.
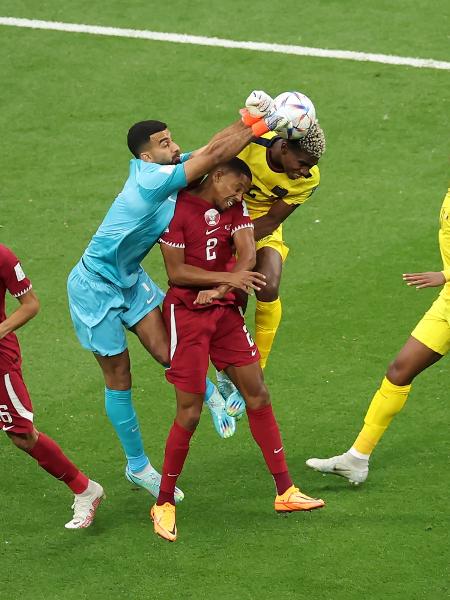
[[172, 244], [23, 292], [173, 331], [20, 408], [243, 226]]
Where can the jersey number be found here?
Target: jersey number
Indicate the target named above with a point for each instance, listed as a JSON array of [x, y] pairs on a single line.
[[211, 243], [4, 414]]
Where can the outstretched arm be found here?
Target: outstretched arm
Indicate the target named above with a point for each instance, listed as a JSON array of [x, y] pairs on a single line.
[[29, 307], [426, 280]]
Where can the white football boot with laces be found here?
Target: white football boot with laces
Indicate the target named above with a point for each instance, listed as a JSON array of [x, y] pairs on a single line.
[[345, 465], [85, 505]]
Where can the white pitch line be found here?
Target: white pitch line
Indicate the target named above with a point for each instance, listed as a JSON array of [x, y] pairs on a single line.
[[388, 59]]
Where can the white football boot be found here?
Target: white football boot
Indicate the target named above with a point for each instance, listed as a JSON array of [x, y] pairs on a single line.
[[345, 465], [150, 480], [85, 505]]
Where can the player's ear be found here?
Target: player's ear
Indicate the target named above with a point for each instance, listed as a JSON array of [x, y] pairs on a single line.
[[284, 147], [217, 175]]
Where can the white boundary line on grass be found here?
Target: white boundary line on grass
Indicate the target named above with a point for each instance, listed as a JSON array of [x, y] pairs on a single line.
[[421, 63]]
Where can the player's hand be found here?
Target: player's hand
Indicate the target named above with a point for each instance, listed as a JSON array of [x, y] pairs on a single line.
[[259, 104], [276, 120], [246, 281], [207, 296], [425, 280]]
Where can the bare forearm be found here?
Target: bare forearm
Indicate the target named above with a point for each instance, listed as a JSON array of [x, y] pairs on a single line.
[[189, 276], [229, 142], [18, 318], [264, 226]]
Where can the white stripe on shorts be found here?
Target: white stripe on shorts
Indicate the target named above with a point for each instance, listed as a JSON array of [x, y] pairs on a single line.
[[173, 331], [20, 408]]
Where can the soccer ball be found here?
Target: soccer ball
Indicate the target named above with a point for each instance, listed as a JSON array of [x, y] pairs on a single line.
[[300, 111]]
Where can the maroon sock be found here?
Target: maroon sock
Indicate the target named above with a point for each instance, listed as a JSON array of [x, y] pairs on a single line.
[[177, 448], [51, 458], [266, 434]]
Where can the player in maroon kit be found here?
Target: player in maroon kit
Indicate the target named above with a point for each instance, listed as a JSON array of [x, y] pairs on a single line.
[[16, 410], [197, 247]]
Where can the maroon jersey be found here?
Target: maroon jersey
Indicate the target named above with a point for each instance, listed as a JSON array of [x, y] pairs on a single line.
[[207, 238], [13, 279]]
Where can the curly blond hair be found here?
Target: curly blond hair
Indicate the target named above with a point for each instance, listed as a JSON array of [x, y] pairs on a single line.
[[314, 141]]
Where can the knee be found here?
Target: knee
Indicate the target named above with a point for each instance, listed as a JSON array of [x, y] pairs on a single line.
[[269, 293], [398, 372], [259, 398], [24, 441], [118, 378], [189, 418]]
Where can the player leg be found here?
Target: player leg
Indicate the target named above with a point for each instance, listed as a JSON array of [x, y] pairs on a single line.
[[16, 413], [190, 333], [266, 433], [233, 349], [269, 262], [144, 318], [429, 341], [270, 256]]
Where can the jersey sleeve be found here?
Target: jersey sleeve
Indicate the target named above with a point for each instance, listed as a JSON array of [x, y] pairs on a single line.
[[174, 234], [158, 182], [11, 273], [308, 188], [241, 218], [185, 156]]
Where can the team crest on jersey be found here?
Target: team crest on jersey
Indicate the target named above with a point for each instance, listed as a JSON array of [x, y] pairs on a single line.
[[212, 217]]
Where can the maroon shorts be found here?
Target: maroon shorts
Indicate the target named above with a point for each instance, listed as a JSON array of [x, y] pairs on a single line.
[[218, 332], [16, 410]]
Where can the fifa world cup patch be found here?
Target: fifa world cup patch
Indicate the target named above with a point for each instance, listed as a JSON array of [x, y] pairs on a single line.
[[19, 272]]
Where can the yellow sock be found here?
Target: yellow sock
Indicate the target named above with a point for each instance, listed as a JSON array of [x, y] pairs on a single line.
[[267, 319], [386, 403]]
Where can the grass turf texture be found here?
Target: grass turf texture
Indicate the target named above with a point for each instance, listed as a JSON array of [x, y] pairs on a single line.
[[68, 100]]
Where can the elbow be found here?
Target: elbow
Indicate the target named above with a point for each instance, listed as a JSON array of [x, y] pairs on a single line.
[[34, 308]]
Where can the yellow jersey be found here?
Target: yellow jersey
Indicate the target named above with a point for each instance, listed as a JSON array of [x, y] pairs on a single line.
[[268, 186], [444, 242]]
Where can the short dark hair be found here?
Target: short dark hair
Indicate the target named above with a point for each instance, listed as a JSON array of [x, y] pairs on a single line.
[[139, 134], [236, 165]]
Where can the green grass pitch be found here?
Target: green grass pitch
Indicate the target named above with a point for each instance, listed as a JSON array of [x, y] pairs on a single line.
[[67, 102]]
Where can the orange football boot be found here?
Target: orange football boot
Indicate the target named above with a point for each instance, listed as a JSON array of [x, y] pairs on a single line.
[[163, 518], [293, 499]]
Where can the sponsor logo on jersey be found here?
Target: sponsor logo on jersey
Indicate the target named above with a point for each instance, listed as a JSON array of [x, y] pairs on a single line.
[[212, 217]]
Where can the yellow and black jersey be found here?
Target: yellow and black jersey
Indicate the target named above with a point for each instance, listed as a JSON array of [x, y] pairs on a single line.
[[269, 185]]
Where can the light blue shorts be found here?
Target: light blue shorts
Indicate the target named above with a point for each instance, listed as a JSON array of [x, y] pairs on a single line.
[[101, 310]]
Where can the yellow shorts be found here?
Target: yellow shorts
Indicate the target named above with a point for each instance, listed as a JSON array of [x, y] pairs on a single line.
[[433, 329], [275, 241]]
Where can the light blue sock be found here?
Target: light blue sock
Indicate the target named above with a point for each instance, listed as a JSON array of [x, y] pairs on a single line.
[[120, 411]]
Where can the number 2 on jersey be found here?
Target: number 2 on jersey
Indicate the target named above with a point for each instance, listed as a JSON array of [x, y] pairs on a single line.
[[211, 243]]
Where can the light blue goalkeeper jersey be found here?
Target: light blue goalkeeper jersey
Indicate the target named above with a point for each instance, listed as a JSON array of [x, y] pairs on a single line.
[[135, 221]]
